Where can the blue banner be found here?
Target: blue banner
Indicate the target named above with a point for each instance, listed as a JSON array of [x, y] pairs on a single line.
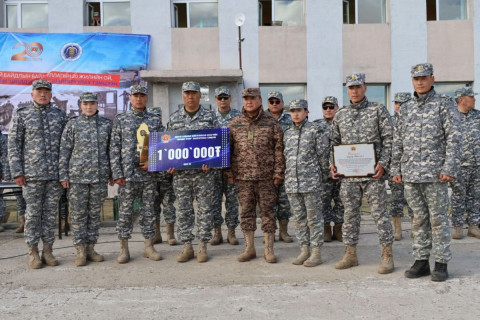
[[189, 149]]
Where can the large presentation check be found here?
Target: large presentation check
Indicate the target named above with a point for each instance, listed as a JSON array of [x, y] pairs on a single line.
[[189, 149]]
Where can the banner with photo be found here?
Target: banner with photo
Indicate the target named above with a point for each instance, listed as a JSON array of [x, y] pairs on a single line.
[[104, 63]]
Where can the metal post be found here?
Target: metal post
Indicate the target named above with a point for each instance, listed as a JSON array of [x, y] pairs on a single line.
[[240, 46]]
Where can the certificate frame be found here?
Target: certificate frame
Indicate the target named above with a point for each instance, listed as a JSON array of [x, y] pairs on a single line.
[[355, 160]]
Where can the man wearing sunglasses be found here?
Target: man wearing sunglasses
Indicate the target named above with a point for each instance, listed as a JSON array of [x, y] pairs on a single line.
[[282, 205]]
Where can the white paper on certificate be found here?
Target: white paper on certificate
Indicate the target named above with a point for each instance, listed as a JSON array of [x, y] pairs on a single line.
[[355, 160]]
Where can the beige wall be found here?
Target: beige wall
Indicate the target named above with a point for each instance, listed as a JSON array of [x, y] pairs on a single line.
[[282, 54], [366, 48], [450, 49], [195, 48]]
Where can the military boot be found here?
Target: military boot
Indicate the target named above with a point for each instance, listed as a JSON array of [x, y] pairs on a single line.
[[315, 258], [457, 233], [157, 238], [47, 256], [171, 234], [397, 225], [202, 252], [231, 238], [474, 231], [124, 255], [249, 253], [217, 236], [283, 234], [21, 227], [440, 272], [386, 265], [34, 261], [269, 254], [92, 255], [81, 258], [337, 232], [303, 256], [327, 232], [187, 253], [349, 258], [419, 269], [150, 251]]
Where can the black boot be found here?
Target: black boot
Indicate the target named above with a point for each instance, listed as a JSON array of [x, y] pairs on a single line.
[[419, 269], [440, 272]]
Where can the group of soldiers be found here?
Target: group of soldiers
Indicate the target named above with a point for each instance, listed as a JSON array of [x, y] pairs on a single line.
[[280, 163]]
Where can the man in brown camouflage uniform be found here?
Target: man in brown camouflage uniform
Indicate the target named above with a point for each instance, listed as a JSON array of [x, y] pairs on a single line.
[[257, 165]]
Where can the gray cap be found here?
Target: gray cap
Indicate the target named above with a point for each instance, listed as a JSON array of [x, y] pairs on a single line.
[[251, 92], [355, 79], [298, 104], [422, 69], [190, 86], [275, 94], [402, 97], [88, 96], [330, 99], [222, 91], [138, 89], [464, 92], [37, 84]]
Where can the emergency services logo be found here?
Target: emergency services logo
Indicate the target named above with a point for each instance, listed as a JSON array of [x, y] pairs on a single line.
[[71, 51], [165, 138]]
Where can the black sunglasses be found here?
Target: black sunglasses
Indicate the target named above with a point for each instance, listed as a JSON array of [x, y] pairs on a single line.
[[274, 101], [331, 107], [223, 98]]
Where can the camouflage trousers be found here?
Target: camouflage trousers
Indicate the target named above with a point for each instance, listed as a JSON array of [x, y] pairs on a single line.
[[282, 205], [309, 218], [42, 198], [330, 190], [21, 205], [145, 190], [165, 197], [231, 202], [190, 185], [397, 200], [466, 197], [251, 193], [431, 229], [351, 194], [85, 205]]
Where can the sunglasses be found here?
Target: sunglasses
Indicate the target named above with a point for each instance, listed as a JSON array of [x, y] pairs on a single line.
[[274, 101], [331, 107], [223, 98]]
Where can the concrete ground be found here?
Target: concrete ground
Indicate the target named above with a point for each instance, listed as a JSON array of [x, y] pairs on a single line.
[[223, 288]]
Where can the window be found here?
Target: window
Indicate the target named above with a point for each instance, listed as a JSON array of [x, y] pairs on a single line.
[[450, 87], [26, 14], [364, 11], [375, 93], [281, 12], [194, 13], [446, 10], [289, 91], [107, 13]]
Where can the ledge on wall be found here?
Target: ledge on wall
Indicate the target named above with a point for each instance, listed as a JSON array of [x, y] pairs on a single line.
[[176, 76]]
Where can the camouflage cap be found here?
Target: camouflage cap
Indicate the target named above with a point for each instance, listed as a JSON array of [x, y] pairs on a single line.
[[422, 69], [330, 99], [190, 86], [37, 84], [298, 104], [355, 79], [88, 96], [275, 94], [402, 97], [222, 91], [464, 92], [138, 89], [251, 92]]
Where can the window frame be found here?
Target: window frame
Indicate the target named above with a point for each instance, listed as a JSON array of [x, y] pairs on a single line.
[[87, 24], [272, 18], [460, 84], [384, 14], [18, 4], [187, 4], [437, 11]]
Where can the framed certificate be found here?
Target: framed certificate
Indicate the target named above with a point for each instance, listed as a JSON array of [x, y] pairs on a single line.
[[355, 160]]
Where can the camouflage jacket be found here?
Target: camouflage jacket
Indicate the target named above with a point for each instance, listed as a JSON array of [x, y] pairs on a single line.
[[256, 148], [124, 157], [285, 120], [364, 122], [84, 151], [471, 138], [427, 139], [223, 122], [325, 127], [304, 149], [3, 156], [34, 142]]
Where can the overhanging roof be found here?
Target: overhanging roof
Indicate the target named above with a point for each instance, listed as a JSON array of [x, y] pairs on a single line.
[[176, 76]]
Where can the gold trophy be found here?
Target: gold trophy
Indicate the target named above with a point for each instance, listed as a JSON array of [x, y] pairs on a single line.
[[142, 139]]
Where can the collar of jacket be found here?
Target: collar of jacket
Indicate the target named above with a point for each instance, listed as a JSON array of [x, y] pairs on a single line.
[[254, 119], [138, 113], [85, 117], [41, 106], [301, 125], [279, 118], [184, 113], [425, 97], [362, 104]]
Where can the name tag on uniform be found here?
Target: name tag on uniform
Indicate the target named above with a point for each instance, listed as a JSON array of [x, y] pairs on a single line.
[[250, 135]]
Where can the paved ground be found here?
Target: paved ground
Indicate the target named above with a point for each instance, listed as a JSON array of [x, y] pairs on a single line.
[[226, 289]]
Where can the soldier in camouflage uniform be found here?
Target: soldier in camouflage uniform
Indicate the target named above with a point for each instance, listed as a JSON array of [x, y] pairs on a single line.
[[224, 114], [304, 148], [426, 155], [330, 189], [282, 206], [466, 188], [397, 196], [33, 148], [85, 171], [194, 183], [131, 175], [364, 122], [257, 165]]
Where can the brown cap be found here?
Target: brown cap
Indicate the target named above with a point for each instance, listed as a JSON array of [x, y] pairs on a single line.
[[251, 92]]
